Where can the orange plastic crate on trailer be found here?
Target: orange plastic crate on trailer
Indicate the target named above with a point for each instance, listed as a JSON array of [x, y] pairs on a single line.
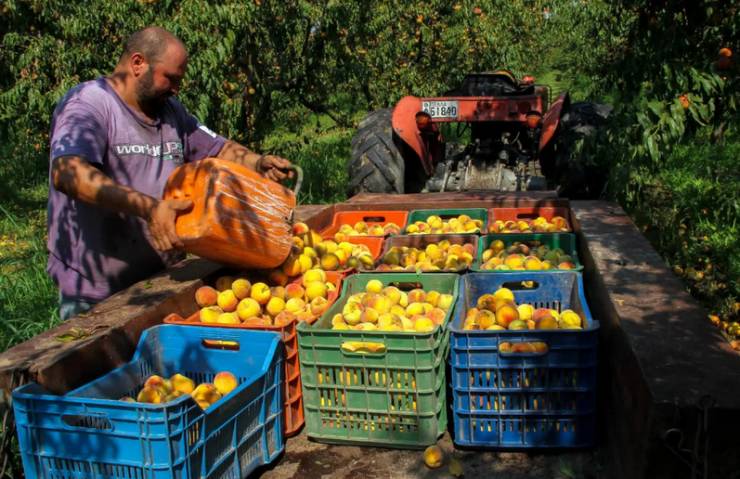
[[292, 394], [370, 217]]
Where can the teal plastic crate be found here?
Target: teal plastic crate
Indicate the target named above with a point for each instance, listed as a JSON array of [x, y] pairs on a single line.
[[447, 213], [564, 241], [393, 398], [90, 434]]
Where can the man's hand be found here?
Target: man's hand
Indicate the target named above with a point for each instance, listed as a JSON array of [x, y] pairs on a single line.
[[161, 222], [273, 167]]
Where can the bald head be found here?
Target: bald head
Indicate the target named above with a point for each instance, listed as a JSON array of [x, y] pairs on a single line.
[[153, 43]]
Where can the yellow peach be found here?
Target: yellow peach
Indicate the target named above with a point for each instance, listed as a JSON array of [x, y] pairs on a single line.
[[275, 306], [260, 292], [210, 314], [205, 395], [241, 288], [294, 305], [182, 383], [227, 300], [318, 305], [313, 275], [445, 301], [228, 318], [248, 308], [315, 289], [150, 395], [225, 382], [374, 286]]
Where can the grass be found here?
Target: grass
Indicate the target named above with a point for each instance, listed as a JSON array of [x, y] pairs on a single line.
[[28, 297]]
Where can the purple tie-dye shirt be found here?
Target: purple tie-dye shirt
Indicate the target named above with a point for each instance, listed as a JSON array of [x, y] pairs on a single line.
[[94, 252]]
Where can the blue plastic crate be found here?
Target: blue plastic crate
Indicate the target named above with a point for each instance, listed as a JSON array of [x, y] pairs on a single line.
[[89, 433], [524, 400]]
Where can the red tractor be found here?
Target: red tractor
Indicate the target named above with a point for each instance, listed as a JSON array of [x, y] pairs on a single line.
[[493, 133]]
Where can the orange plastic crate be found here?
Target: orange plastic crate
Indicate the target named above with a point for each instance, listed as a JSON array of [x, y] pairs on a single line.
[[294, 418], [374, 243], [528, 213], [370, 217]]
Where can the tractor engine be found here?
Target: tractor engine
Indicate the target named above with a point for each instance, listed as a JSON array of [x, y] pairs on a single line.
[[500, 156]]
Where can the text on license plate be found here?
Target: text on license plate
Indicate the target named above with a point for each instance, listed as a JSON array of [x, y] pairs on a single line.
[[440, 109]]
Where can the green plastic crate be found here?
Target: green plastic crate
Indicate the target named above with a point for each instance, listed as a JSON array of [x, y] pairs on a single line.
[[564, 241], [395, 398], [446, 213]]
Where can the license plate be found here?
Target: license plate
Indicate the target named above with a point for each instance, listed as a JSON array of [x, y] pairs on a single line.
[[440, 109]]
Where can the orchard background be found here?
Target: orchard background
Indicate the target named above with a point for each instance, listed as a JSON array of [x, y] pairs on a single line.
[[295, 78]]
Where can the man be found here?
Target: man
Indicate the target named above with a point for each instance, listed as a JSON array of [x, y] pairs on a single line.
[[114, 142]]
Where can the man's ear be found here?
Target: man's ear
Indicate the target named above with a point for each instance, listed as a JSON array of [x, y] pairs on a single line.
[[138, 64]]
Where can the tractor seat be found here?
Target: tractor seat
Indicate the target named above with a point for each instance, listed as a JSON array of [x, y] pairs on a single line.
[[499, 83]]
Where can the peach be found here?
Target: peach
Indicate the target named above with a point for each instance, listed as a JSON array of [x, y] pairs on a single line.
[[294, 290], [209, 314], [374, 286], [158, 382], [248, 308], [305, 262], [392, 293], [315, 289], [547, 322], [487, 301], [182, 383], [227, 300], [506, 314], [433, 457], [496, 327], [414, 309], [532, 263], [304, 316], [149, 394], [504, 294], [224, 282], [293, 305], [260, 292], [241, 288], [424, 324], [352, 316], [381, 304], [206, 296], [540, 313], [445, 301], [570, 318], [300, 228], [318, 305], [225, 382], [566, 265], [228, 318], [437, 315], [275, 306], [277, 277], [205, 395], [369, 316], [292, 266], [525, 311], [518, 324], [417, 296], [525, 347], [278, 292], [284, 318], [127, 399], [514, 261], [504, 347], [313, 275], [485, 318], [433, 298]]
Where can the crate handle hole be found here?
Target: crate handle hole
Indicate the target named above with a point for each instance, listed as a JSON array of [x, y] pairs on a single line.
[[406, 285], [521, 285], [220, 344], [99, 422], [528, 215], [373, 219]]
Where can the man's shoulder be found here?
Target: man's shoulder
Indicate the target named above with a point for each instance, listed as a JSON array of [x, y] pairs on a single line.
[[95, 93]]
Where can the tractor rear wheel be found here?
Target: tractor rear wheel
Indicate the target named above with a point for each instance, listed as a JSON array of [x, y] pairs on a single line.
[[376, 164], [579, 173]]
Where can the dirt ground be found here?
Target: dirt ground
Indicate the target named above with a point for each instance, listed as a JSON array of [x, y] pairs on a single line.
[[308, 459]]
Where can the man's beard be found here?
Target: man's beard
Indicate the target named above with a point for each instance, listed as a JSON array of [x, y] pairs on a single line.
[[147, 95]]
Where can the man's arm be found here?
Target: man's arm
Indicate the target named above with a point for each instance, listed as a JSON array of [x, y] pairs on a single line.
[[269, 166], [78, 179]]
